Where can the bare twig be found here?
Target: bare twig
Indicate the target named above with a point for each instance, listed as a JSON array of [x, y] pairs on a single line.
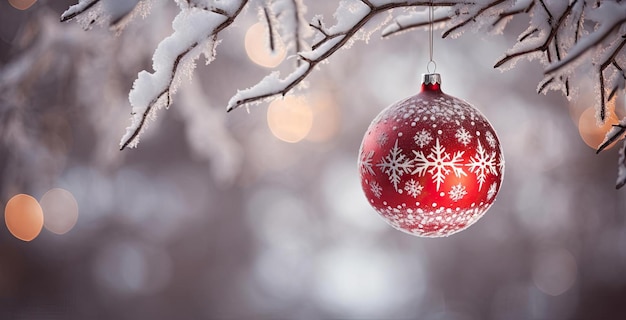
[[297, 40], [270, 28]]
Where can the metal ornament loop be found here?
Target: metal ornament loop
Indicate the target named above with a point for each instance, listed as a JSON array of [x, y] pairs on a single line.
[[434, 64]]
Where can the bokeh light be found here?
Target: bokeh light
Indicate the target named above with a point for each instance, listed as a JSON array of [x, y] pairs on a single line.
[[22, 4], [326, 118], [367, 281], [24, 217], [592, 134], [346, 201], [257, 44], [126, 267], [554, 271], [60, 210], [290, 119]]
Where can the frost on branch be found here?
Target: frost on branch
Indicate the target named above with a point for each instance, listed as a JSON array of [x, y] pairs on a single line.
[[571, 39], [193, 34], [352, 17], [114, 13]]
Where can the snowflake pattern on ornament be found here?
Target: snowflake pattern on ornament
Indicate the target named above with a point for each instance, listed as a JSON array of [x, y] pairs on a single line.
[[413, 188], [463, 136], [377, 190], [395, 164], [429, 182], [422, 138], [458, 192], [438, 163], [382, 139], [492, 191], [491, 140], [366, 162], [482, 164]]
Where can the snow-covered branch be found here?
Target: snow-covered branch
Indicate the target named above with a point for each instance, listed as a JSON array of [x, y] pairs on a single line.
[[77, 9], [113, 13], [332, 39], [195, 32], [569, 38], [544, 39]]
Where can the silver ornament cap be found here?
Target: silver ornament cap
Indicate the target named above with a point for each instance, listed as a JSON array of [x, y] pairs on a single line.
[[431, 78]]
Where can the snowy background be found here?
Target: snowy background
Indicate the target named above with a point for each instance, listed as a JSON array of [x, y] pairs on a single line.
[[213, 216]]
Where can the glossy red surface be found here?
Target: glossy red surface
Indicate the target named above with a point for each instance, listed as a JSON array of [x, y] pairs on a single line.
[[431, 165]]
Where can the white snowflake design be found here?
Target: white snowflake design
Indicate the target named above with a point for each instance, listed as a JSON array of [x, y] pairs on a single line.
[[395, 164], [382, 139], [482, 164], [438, 163], [377, 190], [463, 136], [413, 188], [501, 163], [366, 162], [423, 138], [492, 190], [491, 140], [457, 193]]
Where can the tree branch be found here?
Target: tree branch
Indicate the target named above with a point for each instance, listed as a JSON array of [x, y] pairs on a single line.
[[156, 99], [401, 27], [546, 44], [595, 39], [139, 122], [297, 40], [270, 28], [327, 46], [613, 135], [609, 61], [77, 9], [472, 18], [514, 11]]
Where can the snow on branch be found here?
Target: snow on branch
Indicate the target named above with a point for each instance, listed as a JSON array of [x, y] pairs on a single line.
[[529, 44], [79, 8], [111, 12], [195, 32], [610, 17], [287, 18], [460, 16], [621, 168], [415, 20], [352, 17], [616, 133], [569, 38]]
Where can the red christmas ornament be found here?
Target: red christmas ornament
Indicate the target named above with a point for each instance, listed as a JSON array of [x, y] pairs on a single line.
[[431, 165]]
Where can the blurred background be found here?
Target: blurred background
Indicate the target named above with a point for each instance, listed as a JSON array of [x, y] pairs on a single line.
[[259, 214]]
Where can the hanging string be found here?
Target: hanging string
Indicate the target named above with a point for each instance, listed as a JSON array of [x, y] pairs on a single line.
[[431, 41]]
